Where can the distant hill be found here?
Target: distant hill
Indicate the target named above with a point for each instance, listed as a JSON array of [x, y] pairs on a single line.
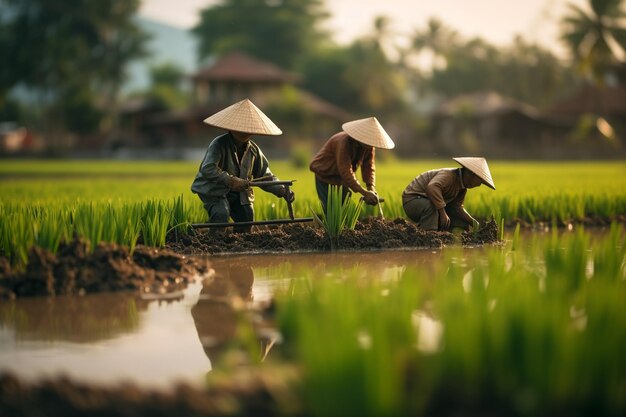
[[167, 44]]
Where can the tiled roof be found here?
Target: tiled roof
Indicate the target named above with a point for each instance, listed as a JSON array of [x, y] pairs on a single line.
[[237, 66]]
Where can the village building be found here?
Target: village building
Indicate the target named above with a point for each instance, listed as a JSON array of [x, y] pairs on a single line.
[[228, 79], [492, 125]]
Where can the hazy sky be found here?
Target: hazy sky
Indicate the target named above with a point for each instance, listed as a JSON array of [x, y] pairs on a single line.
[[497, 21]]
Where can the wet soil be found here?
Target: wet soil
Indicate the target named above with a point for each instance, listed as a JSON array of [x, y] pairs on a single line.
[[74, 270], [372, 234], [247, 394]]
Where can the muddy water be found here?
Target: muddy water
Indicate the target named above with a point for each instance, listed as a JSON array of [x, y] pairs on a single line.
[[110, 338]]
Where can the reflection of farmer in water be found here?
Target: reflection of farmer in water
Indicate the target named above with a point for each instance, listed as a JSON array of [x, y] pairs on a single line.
[[216, 314], [232, 160], [434, 199]]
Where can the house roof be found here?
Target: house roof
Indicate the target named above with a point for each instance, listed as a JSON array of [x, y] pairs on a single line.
[[610, 101], [240, 67], [484, 103]]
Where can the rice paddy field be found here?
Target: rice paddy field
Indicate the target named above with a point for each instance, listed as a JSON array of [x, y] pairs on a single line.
[[534, 326]]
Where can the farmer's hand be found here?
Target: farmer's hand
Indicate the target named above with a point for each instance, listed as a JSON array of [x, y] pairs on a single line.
[[238, 184], [444, 220], [370, 198]]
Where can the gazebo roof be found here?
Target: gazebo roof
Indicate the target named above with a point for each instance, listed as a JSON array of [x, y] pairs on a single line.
[[241, 67]]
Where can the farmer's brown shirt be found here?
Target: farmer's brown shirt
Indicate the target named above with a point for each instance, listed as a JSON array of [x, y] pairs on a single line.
[[441, 186], [338, 160]]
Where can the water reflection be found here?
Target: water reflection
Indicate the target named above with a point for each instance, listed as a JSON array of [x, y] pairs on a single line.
[[74, 319], [106, 338], [224, 305]]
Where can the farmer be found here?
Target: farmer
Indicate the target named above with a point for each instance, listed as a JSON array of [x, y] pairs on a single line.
[[231, 161], [344, 153], [434, 199]]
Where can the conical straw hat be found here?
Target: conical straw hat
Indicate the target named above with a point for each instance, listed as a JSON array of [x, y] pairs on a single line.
[[245, 117], [479, 167], [369, 132]]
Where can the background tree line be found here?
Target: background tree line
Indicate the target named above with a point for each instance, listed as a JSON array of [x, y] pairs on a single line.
[[71, 57]]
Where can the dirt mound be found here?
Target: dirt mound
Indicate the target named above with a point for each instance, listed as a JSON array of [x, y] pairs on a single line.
[[73, 270], [67, 398], [370, 234]]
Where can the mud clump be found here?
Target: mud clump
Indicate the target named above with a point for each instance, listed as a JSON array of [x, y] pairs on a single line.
[[64, 397], [370, 234], [74, 270], [109, 268]]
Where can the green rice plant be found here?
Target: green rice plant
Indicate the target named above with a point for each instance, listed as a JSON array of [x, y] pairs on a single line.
[[497, 335], [132, 229], [516, 238], [567, 268], [88, 220], [16, 237], [610, 255], [50, 227], [340, 214], [179, 217], [155, 221]]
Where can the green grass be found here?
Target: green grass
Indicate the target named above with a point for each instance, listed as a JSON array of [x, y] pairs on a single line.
[[512, 332], [529, 191], [46, 201]]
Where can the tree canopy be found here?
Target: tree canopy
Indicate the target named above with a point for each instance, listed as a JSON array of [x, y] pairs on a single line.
[[279, 31], [71, 55], [596, 38]]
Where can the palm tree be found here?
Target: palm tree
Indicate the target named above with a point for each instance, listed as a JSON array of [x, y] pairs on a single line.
[[596, 38]]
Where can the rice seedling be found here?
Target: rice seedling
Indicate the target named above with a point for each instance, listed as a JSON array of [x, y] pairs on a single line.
[[155, 223], [340, 214], [496, 336]]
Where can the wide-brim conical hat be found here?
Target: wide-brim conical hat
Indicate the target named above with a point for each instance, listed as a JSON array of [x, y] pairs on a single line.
[[245, 117], [479, 167], [369, 132]]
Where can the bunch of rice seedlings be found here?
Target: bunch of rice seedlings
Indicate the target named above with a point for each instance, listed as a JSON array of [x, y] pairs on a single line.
[[155, 223], [340, 214]]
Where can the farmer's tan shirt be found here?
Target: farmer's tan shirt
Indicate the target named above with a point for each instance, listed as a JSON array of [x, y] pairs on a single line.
[[338, 160], [441, 186]]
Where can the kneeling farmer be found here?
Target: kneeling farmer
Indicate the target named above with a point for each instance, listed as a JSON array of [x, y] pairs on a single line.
[[232, 160], [434, 199]]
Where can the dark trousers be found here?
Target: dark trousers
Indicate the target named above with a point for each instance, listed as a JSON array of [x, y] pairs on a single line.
[[423, 212], [221, 209], [322, 192]]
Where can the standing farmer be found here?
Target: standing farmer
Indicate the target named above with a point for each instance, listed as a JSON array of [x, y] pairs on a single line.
[[344, 153], [231, 161], [434, 199]]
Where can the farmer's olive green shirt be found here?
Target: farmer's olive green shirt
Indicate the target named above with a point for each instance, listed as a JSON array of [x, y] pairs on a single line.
[[221, 162], [443, 187], [339, 158]]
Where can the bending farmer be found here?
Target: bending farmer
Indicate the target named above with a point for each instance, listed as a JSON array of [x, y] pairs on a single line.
[[232, 160], [344, 153], [434, 199]]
